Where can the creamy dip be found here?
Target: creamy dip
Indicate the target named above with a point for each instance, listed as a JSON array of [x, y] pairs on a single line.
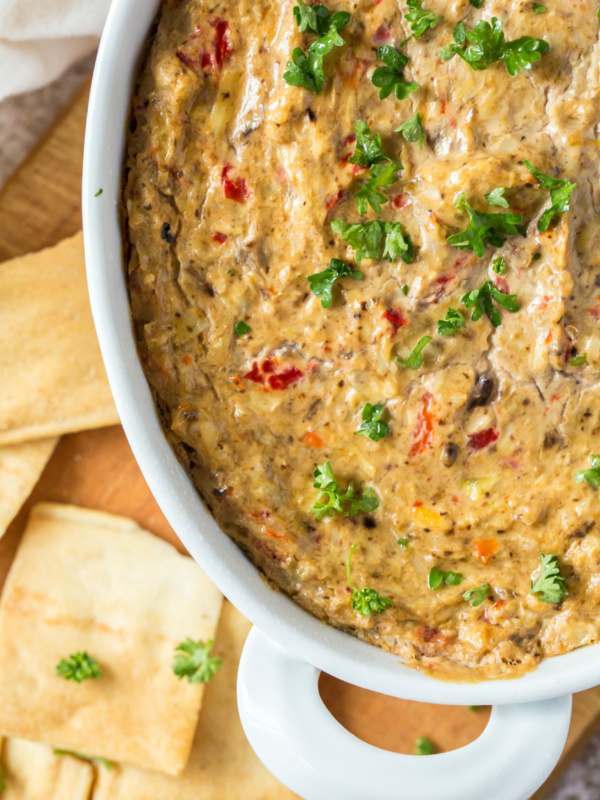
[[233, 178]]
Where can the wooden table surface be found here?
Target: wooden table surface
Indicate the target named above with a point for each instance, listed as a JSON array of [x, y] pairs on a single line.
[[39, 206]]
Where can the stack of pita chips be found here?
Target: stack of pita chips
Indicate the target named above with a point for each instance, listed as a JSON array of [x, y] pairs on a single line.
[[53, 379]]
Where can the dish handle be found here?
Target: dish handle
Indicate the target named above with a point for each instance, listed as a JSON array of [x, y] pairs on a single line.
[[300, 742]]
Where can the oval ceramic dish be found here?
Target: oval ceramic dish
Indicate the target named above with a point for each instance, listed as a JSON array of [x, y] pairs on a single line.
[[282, 713]]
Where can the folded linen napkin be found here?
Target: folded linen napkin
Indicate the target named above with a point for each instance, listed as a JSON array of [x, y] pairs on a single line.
[[39, 39]]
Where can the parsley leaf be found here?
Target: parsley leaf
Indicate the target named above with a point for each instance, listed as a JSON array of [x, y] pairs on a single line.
[[486, 44], [367, 150], [194, 661], [99, 192], [318, 18], [415, 359], [476, 3], [321, 283], [476, 595], [368, 238], [104, 761], [592, 475], [371, 424], [78, 667], [578, 360], [332, 499], [549, 586], [538, 8], [413, 130], [496, 198], [420, 20], [389, 78], [499, 266], [480, 300], [306, 69], [484, 228], [451, 322], [241, 328], [424, 747], [403, 542], [560, 195], [380, 175], [437, 577], [366, 601]]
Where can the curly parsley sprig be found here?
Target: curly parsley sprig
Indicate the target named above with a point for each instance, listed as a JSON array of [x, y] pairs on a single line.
[[390, 78], [437, 577], [560, 195], [480, 300], [591, 475], [368, 148], [420, 20], [549, 586], [332, 499], [366, 601], [486, 44], [371, 424], [451, 322], [306, 69], [484, 228], [415, 359], [78, 667], [194, 661], [413, 130], [318, 18], [376, 240], [321, 283], [476, 595]]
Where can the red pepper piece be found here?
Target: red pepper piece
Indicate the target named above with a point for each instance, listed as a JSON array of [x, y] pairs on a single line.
[[236, 190], [425, 426], [287, 377], [254, 374], [482, 439], [395, 317]]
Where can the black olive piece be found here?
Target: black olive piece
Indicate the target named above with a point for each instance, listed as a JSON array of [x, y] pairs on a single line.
[[449, 454], [597, 280], [482, 392]]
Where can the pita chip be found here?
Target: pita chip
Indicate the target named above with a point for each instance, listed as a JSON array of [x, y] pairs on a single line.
[[222, 764], [20, 467], [51, 371], [89, 581], [31, 771]]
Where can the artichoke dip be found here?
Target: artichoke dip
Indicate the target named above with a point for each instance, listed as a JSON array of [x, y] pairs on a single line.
[[364, 272]]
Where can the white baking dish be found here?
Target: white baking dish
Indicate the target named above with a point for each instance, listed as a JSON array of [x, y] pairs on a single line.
[[282, 713]]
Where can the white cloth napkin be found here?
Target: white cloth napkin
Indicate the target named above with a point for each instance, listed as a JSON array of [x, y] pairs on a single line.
[[39, 39]]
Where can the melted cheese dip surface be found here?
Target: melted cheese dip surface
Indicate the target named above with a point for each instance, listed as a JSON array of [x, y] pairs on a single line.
[[233, 178]]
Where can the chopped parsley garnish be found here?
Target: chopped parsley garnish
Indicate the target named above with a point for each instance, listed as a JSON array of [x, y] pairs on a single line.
[[476, 3], [473, 708], [376, 240], [420, 20], [403, 542], [560, 195], [78, 667], [578, 360], [331, 498], [98, 759], [306, 69], [321, 283], [367, 150], [451, 322], [99, 192], [424, 747], [591, 475], [380, 176], [318, 18], [389, 78], [413, 130], [241, 328], [405, 289], [366, 601], [415, 359], [437, 577], [499, 266], [194, 661], [549, 586], [484, 228], [496, 197], [476, 595], [371, 424], [486, 44], [538, 8], [480, 300], [536, 256]]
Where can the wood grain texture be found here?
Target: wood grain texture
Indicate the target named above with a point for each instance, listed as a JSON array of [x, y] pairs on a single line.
[[39, 206]]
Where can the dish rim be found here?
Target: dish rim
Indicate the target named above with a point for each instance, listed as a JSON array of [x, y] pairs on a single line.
[[339, 653]]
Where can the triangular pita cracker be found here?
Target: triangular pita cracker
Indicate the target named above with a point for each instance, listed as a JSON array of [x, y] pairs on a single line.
[[51, 372], [222, 764], [89, 581], [20, 467]]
